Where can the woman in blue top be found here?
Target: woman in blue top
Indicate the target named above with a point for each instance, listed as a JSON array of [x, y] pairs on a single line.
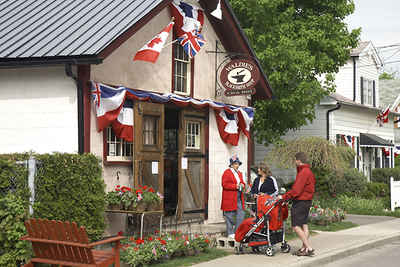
[[264, 183]]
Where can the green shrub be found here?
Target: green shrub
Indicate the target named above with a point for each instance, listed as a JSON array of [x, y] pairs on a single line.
[[13, 213], [356, 205], [378, 189], [352, 183], [69, 187], [383, 175], [13, 177]]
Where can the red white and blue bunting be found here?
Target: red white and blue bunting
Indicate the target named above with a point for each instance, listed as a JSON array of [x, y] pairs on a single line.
[[348, 140], [109, 103]]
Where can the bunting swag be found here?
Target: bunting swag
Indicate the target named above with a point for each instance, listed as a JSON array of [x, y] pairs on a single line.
[[228, 127], [348, 140], [396, 151], [109, 102]]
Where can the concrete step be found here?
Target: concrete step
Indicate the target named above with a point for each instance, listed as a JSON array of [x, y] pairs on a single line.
[[225, 243]]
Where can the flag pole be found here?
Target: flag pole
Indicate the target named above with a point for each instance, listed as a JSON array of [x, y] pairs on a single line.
[[170, 43]]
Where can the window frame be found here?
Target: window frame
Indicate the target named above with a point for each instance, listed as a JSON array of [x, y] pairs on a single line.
[[190, 72], [110, 160], [199, 124], [368, 96]]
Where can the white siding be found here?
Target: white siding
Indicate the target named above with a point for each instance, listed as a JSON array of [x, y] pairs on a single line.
[[344, 80], [38, 108]]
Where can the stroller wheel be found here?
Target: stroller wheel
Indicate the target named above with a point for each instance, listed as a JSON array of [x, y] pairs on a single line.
[[285, 248], [269, 251]]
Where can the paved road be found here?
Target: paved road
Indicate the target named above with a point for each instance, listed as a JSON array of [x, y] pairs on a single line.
[[387, 255]]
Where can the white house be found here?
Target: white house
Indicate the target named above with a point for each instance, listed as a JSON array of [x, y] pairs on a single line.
[[49, 58], [349, 116]]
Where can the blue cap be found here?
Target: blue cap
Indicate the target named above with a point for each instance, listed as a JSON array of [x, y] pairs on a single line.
[[234, 159]]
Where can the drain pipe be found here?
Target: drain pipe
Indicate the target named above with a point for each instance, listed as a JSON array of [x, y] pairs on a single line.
[[69, 73], [338, 106]]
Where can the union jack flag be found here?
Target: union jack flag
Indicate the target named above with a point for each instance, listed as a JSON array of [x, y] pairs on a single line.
[[191, 42], [96, 94]]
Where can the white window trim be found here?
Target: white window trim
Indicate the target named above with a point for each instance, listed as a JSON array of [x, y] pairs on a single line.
[[120, 158], [198, 146], [188, 74]]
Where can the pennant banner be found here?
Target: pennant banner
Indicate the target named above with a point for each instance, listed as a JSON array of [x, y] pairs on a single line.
[[228, 127], [396, 151], [383, 116], [107, 114]]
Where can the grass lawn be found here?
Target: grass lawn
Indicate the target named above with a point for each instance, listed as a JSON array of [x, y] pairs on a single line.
[[333, 227], [210, 254]]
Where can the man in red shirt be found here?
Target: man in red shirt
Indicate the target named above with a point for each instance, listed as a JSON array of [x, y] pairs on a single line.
[[302, 193]]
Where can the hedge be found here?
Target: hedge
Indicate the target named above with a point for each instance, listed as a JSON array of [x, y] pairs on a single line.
[[69, 187], [382, 175]]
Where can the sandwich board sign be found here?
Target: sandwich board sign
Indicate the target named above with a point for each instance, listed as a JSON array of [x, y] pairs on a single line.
[[394, 194]]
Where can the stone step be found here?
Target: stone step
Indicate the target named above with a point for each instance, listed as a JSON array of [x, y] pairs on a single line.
[[225, 243]]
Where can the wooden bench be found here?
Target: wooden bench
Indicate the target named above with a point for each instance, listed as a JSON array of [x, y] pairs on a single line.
[[66, 244]]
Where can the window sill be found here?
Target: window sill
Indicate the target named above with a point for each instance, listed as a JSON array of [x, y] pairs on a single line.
[[182, 93], [118, 160]]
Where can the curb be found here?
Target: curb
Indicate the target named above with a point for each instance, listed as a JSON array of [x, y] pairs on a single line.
[[334, 255]]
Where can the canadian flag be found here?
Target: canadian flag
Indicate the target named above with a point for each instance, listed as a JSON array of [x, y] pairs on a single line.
[[152, 49]]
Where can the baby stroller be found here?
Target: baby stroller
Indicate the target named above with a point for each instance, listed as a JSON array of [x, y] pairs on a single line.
[[266, 229]]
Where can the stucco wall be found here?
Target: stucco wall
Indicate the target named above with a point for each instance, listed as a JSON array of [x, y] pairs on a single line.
[[120, 69], [38, 108]]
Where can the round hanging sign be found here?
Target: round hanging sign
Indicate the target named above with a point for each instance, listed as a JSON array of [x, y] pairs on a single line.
[[239, 77]]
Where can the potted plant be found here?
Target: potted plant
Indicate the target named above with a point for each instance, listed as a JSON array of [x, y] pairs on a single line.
[[113, 199], [151, 198], [129, 200]]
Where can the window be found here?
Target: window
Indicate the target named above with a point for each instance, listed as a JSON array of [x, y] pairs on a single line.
[[193, 135], [117, 149], [367, 93], [150, 130], [182, 71]]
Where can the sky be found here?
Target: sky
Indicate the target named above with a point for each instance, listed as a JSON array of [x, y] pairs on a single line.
[[380, 23]]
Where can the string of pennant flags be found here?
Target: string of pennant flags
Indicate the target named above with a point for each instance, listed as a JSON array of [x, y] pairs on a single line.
[[187, 22]]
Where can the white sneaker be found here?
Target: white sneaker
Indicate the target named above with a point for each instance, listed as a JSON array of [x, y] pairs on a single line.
[[231, 236]]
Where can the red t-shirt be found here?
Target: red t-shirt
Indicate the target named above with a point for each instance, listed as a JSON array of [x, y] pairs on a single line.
[[304, 185]]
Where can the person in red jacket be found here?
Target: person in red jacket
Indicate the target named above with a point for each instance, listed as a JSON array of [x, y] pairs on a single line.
[[302, 193], [232, 196]]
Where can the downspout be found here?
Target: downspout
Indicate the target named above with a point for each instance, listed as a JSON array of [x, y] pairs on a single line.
[[338, 106], [354, 79], [69, 73]]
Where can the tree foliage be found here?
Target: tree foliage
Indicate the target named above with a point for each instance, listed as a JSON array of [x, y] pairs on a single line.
[[296, 41], [321, 154], [387, 76]]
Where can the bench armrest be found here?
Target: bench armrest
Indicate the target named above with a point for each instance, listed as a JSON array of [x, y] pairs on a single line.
[[108, 240]]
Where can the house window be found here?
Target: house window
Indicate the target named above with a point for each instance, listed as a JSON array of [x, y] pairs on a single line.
[[182, 71], [367, 93], [150, 130], [193, 135], [117, 148]]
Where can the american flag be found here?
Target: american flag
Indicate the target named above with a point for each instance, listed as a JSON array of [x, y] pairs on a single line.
[[191, 42]]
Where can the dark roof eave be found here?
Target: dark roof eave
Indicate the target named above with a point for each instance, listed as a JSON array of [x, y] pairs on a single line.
[[48, 61]]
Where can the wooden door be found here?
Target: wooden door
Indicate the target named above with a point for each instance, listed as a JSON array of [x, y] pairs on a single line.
[[191, 162], [148, 141]]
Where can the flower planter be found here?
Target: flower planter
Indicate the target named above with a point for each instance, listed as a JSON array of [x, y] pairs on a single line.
[[114, 207], [141, 207]]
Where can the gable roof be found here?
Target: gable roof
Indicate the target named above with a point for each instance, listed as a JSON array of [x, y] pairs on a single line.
[[87, 31], [366, 47], [60, 28]]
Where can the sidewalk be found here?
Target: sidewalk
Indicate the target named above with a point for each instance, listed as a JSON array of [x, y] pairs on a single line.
[[373, 231]]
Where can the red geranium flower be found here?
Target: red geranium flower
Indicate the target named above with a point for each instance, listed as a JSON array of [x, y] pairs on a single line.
[[120, 233], [151, 190], [144, 187], [118, 188], [132, 239], [207, 241], [139, 191], [150, 238], [139, 241], [163, 242]]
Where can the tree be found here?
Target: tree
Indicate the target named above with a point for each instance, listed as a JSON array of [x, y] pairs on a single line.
[[297, 42], [387, 76]]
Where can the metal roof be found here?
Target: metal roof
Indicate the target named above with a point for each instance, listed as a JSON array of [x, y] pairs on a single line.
[[59, 28]]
